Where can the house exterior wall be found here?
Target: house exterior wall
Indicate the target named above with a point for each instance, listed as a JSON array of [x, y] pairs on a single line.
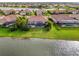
[[23, 13], [68, 24], [35, 24], [7, 24]]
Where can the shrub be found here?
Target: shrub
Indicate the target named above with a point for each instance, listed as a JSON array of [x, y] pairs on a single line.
[[12, 28], [47, 26]]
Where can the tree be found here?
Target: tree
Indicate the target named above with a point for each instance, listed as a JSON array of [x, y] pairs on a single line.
[[30, 13], [40, 6], [47, 26], [57, 7], [23, 6], [12, 12], [46, 13], [21, 23], [12, 28], [1, 12]]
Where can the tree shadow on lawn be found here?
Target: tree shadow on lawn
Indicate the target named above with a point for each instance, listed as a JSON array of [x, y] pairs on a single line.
[[17, 33]]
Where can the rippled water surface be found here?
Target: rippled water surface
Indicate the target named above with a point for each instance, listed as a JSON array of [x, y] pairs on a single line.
[[38, 47]]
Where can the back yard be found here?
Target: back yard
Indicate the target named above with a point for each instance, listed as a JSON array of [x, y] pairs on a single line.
[[54, 33]]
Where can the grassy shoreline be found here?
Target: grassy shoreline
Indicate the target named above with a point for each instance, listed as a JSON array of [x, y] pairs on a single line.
[[54, 33], [62, 33]]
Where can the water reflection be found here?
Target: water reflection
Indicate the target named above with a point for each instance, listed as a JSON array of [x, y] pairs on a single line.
[[37, 47]]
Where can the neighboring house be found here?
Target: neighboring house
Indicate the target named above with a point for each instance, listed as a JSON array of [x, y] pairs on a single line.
[[7, 20], [22, 12], [36, 21], [65, 21], [72, 5], [57, 11], [25, 12], [39, 12], [63, 11], [9, 12], [73, 11], [75, 16], [17, 11]]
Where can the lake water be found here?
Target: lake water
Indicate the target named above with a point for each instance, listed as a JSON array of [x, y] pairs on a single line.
[[38, 47]]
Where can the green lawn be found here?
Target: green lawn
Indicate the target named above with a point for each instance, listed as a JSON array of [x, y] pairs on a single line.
[[54, 33], [66, 33]]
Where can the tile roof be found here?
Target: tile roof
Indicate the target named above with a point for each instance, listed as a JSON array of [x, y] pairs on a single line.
[[76, 16], [4, 19], [63, 18], [57, 11], [10, 18], [73, 10], [27, 10], [37, 18], [10, 10]]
